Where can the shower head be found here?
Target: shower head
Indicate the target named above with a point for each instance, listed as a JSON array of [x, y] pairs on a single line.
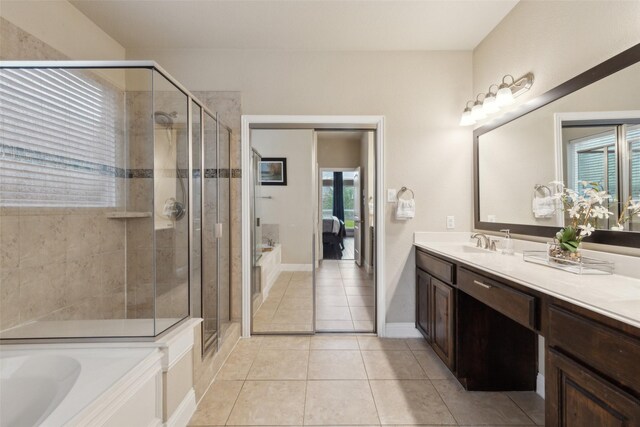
[[164, 119]]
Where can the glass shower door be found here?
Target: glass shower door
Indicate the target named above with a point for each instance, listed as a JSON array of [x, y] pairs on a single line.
[[223, 230], [196, 211], [210, 252]]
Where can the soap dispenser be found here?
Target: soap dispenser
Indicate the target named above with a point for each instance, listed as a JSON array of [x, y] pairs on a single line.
[[507, 243]]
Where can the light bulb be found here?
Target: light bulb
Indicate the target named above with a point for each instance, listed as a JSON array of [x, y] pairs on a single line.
[[477, 113], [504, 95], [466, 119], [490, 105]]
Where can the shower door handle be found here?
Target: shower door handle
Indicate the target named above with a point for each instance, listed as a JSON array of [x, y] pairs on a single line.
[[218, 232]]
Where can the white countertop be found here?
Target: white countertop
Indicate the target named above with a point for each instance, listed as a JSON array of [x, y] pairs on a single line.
[[614, 296]]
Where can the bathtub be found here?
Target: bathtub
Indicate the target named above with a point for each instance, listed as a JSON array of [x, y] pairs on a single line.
[[79, 386]]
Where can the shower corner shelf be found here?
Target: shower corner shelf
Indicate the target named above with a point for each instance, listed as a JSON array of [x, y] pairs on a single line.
[[127, 215]]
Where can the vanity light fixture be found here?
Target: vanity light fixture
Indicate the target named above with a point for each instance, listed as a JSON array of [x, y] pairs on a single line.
[[492, 102]]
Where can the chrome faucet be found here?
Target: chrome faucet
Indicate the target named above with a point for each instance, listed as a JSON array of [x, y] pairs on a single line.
[[483, 241]]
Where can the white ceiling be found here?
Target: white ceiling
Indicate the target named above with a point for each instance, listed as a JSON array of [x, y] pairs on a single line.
[[298, 24]]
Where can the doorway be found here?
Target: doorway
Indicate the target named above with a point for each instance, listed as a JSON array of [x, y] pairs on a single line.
[[302, 282], [340, 213]]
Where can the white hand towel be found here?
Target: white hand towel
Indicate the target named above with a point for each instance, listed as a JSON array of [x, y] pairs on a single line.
[[405, 209], [543, 207]]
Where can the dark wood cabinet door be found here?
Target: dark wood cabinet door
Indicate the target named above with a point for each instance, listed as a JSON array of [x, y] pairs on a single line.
[[442, 296], [423, 304], [578, 397]]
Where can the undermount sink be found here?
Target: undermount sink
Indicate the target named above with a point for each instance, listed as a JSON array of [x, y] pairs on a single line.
[[471, 249]]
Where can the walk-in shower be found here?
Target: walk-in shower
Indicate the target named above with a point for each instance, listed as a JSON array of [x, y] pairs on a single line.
[[114, 203]]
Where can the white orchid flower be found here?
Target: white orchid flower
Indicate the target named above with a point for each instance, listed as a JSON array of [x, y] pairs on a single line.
[[600, 212], [586, 230]]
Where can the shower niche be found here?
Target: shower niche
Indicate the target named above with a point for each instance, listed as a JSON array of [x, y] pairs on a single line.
[[117, 181]]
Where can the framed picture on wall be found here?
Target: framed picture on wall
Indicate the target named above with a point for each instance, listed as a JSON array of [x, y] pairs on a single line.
[[273, 171]]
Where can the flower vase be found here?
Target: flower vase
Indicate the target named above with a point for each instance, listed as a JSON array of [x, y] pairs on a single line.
[[562, 256]]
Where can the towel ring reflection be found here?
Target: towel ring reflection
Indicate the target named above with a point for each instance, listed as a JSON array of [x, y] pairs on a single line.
[[541, 189], [404, 190]]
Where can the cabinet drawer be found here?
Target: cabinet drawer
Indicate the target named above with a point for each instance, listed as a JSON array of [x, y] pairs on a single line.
[[441, 269], [601, 347], [508, 301]]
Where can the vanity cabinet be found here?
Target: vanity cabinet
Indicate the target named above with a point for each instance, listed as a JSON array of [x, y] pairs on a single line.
[[423, 304], [485, 328], [442, 297], [458, 313], [592, 371], [435, 307]]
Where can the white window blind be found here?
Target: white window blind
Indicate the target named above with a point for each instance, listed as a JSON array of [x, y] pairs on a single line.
[[633, 139], [588, 158], [58, 131]]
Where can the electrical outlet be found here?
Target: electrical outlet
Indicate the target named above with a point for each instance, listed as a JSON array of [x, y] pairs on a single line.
[[491, 218], [451, 222], [392, 195]]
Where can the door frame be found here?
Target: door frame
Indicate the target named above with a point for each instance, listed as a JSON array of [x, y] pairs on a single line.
[[375, 123]]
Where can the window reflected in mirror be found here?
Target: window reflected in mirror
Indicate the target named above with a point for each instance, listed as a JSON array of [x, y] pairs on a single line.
[[604, 155]]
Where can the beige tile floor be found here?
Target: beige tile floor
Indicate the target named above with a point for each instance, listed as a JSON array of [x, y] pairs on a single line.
[[351, 380], [344, 301], [344, 298]]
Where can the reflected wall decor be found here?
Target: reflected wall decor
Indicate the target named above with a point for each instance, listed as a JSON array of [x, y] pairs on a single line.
[[273, 171]]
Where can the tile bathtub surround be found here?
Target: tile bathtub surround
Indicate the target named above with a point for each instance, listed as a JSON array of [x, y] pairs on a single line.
[[331, 383]]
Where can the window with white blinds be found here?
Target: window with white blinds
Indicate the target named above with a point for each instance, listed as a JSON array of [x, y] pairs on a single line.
[[593, 159], [633, 140], [58, 136]]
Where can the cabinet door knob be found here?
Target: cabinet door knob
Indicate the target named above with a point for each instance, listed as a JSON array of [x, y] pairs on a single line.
[[482, 284]]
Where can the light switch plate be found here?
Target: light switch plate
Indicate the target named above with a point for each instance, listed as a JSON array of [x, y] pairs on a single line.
[[451, 222], [392, 194]]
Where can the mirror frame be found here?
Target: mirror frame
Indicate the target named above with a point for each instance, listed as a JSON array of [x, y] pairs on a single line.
[[619, 62]]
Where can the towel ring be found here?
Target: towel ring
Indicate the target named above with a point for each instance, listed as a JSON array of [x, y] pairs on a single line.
[[404, 190], [541, 189]]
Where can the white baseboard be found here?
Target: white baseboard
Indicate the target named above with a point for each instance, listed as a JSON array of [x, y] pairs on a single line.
[[184, 411], [296, 267], [401, 330], [540, 385]]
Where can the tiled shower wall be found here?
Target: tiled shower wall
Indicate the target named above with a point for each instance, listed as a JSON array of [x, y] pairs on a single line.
[[58, 263]]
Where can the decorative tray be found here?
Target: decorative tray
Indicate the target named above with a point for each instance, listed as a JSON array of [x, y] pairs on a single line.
[[585, 265]]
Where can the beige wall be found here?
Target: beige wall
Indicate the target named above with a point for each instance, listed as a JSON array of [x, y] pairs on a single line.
[[421, 95], [290, 205], [556, 40], [338, 153]]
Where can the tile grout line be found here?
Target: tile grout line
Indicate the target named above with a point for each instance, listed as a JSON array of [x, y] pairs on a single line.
[[533, 422], [306, 387], [443, 401], [373, 397]]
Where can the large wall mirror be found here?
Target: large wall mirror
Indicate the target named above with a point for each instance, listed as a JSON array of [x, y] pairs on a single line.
[[587, 129]]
